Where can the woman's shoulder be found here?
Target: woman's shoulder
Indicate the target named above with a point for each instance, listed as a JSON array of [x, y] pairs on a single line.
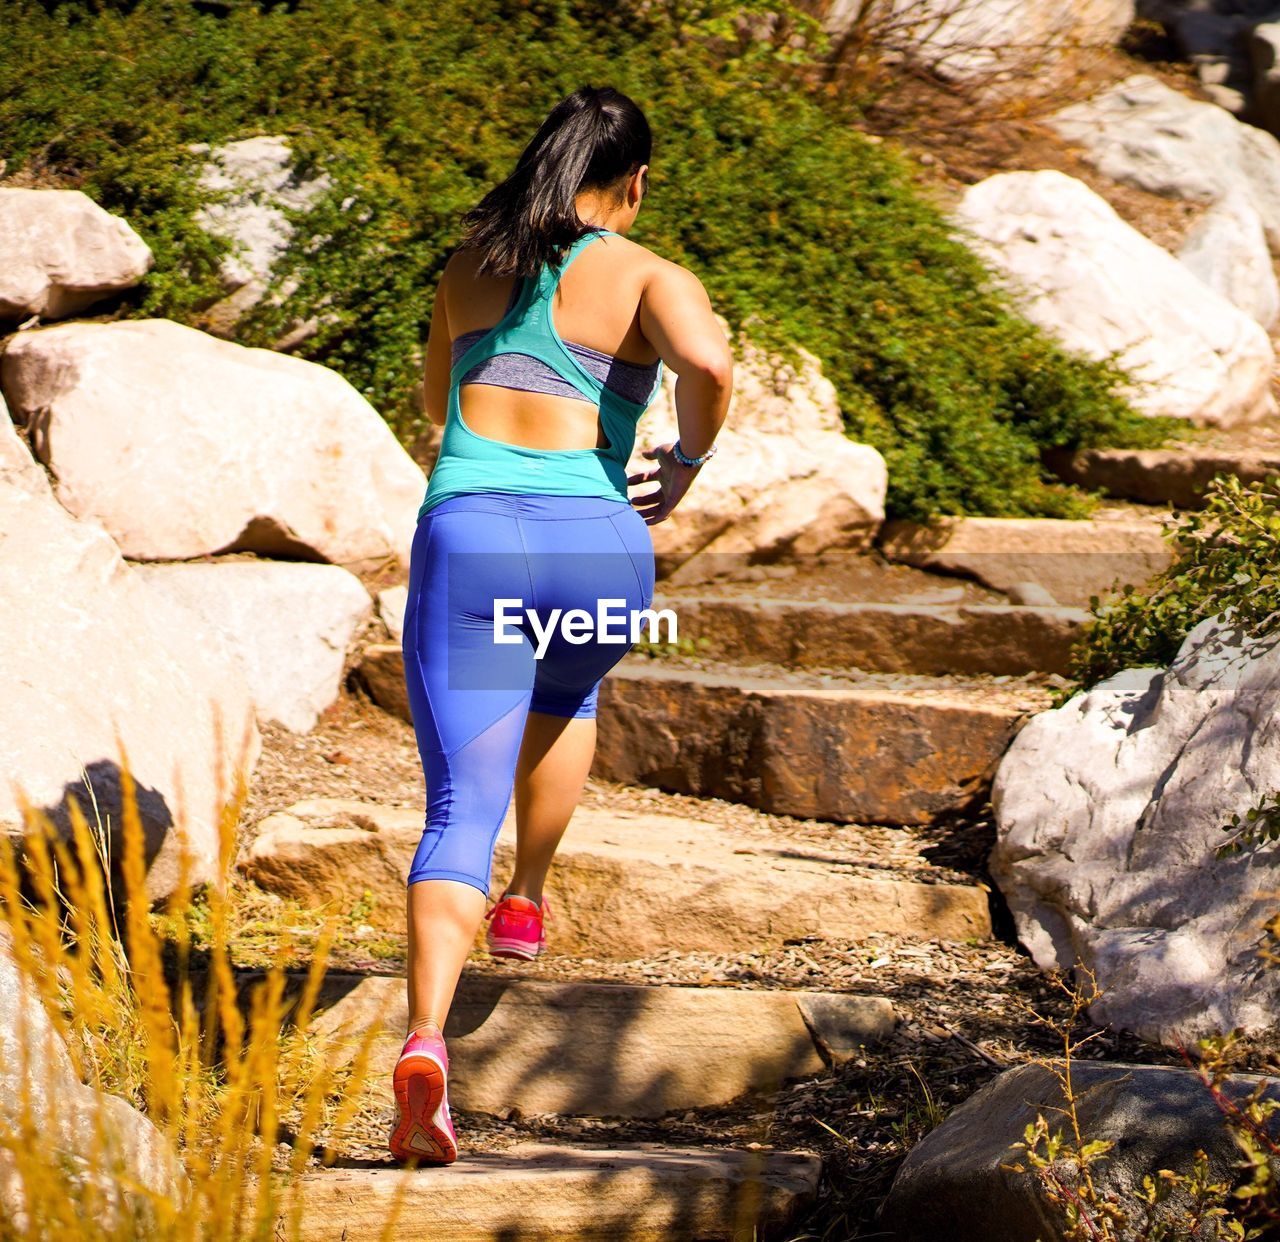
[[652, 267], [462, 267], [462, 262]]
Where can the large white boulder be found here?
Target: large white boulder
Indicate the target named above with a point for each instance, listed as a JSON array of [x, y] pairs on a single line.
[[966, 39], [183, 445], [90, 650], [1144, 133], [1082, 273], [87, 1136], [61, 252], [1227, 249], [786, 478], [1109, 811], [255, 184], [286, 624]]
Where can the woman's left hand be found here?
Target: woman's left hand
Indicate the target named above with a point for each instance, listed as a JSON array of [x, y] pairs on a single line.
[[673, 481]]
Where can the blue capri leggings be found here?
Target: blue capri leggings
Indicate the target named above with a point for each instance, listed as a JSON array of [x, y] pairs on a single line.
[[484, 645]]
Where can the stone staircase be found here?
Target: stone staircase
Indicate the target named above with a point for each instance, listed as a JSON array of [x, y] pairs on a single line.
[[849, 689], [628, 884], [545, 1192]]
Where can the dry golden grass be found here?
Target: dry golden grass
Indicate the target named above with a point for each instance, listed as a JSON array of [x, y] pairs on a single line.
[[225, 1077]]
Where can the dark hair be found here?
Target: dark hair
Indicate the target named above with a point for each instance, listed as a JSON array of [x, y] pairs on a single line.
[[589, 140]]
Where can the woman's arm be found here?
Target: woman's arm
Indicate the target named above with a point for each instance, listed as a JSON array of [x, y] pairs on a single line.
[[677, 319], [435, 378]]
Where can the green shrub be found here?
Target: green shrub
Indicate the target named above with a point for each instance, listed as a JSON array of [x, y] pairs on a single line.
[[799, 225], [1227, 557]]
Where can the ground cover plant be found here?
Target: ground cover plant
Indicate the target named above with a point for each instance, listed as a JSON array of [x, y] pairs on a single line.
[[1225, 563], [804, 229]]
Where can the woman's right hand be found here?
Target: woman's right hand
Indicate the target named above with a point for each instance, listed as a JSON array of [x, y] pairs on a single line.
[[673, 481], [677, 319]]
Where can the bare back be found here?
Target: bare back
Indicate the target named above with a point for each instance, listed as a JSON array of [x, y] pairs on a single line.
[[597, 305]]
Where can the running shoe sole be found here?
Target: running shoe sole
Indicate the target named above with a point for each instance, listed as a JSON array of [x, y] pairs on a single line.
[[422, 1133], [501, 947]]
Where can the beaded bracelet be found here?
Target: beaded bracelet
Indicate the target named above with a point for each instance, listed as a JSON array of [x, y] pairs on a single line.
[[678, 454]]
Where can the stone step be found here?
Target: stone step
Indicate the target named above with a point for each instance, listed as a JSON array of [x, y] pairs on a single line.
[[1177, 475], [849, 752], [545, 1192], [607, 1049], [878, 637], [624, 884], [1069, 559]]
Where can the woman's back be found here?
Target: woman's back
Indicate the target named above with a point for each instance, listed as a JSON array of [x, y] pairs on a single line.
[[526, 373], [525, 413], [597, 302]]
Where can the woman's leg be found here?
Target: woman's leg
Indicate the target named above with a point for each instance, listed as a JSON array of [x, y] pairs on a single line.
[[444, 916], [469, 698], [555, 758], [592, 550]]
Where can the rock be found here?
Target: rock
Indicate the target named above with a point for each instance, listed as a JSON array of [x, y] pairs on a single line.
[[1176, 476], [336, 851], [602, 1049], [1031, 595], [1144, 133], [844, 752], [1072, 559], [639, 1193], [88, 649], [1109, 811], [884, 638], [18, 469], [287, 625], [979, 38], [183, 445], [1086, 276], [60, 253], [787, 480], [97, 1137], [381, 668], [391, 606], [256, 183], [1157, 1116], [881, 638], [623, 885], [1227, 249]]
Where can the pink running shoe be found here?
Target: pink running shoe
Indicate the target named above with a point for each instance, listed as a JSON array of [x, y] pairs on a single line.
[[424, 1131], [516, 928]]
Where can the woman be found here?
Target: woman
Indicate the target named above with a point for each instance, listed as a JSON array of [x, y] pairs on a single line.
[[547, 342]]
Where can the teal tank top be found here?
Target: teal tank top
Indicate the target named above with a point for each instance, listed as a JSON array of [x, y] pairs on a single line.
[[469, 462]]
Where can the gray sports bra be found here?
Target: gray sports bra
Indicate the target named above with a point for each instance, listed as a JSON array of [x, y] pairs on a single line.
[[632, 380]]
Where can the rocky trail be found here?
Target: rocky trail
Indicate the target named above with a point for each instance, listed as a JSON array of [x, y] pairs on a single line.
[[777, 956], [776, 959]]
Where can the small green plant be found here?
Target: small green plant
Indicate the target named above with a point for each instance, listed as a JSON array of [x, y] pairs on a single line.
[[1226, 561], [681, 647], [918, 1118], [1064, 1159], [1256, 1191], [1259, 825]]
